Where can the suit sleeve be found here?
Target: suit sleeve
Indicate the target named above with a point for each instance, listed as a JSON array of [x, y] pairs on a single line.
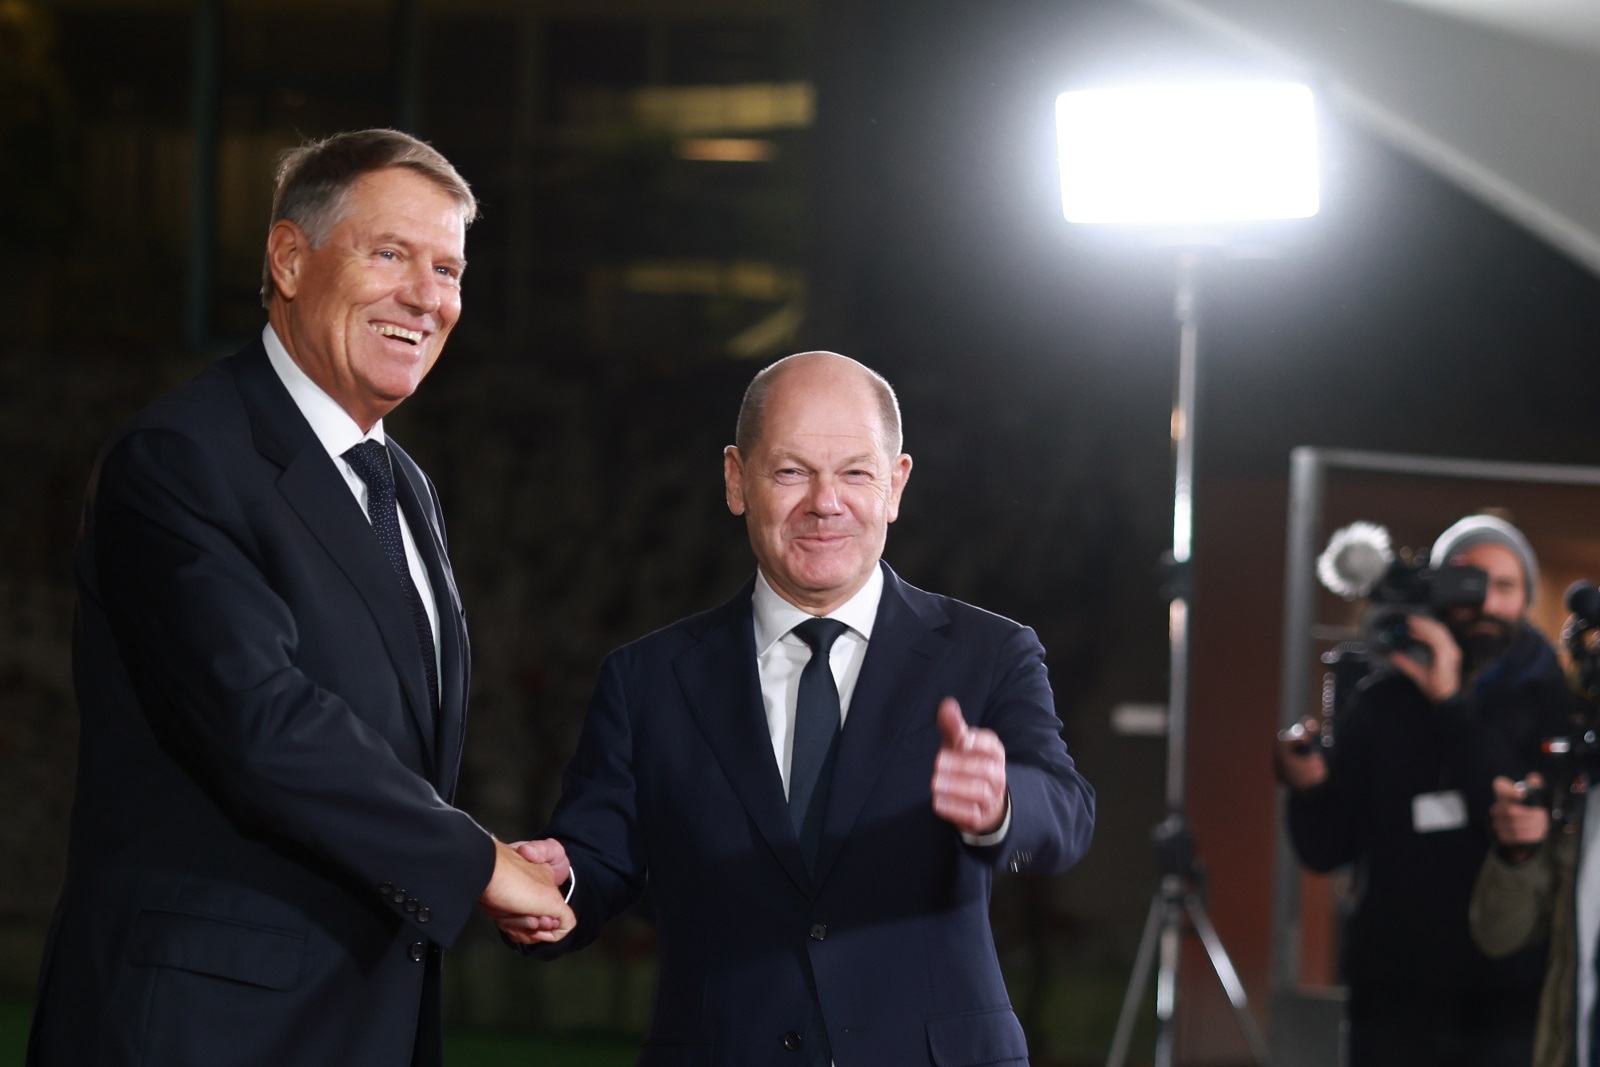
[[211, 649], [597, 818], [1324, 822], [1052, 805]]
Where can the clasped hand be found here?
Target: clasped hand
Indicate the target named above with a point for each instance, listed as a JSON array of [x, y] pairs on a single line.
[[969, 775], [523, 897]]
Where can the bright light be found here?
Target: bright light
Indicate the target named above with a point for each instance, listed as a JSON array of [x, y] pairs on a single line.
[[1188, 153], [727, 149]]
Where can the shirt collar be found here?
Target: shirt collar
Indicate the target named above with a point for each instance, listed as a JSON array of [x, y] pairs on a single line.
[[775, 616], [333, 425]]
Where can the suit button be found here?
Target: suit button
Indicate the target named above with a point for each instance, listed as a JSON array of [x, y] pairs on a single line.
[[792, 1041], [416, 950], [385, 888], [819, 932], [398, 896], [411, 904], [424, 915]]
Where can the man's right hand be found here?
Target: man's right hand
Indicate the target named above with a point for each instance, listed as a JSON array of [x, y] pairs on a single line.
[[548, 851], [1299, 759], [1440, 678], [523, 899], [1515, 822]]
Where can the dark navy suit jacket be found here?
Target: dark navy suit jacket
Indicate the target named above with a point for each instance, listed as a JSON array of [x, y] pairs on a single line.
[[263, 864], [674, 784]]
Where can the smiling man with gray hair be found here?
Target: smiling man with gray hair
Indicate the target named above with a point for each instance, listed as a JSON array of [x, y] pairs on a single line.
[[271, 669]]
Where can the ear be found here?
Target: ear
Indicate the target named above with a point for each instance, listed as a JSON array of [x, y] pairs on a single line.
[[286, 248], [899, 474], [733, 479]]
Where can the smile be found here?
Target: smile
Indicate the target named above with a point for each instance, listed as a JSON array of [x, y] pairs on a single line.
[[384, 329]]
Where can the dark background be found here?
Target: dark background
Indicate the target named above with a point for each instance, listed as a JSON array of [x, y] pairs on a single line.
[[620, 297]]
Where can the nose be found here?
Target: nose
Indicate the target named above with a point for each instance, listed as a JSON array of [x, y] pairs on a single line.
[[824, 496], [423, 291]]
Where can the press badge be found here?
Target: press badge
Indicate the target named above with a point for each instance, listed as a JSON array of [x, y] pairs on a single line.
[[1432, 812]]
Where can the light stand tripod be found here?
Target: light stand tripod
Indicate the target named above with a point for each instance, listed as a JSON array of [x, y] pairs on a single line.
[[1182, 889]]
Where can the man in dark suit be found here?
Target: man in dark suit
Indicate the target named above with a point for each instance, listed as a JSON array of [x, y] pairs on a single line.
[[271, 668], [817, 779]]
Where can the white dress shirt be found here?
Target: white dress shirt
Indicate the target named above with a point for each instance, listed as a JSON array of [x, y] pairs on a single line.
[[339, 433], [781, 656]]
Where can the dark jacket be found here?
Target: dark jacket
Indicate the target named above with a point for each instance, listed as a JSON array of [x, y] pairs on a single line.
[[263, 865], [1408, 930], [674, 783]]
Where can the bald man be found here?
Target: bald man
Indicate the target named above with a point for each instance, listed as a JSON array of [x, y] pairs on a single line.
[[818, 778]]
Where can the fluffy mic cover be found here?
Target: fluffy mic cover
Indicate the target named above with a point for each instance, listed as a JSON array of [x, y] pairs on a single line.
[[1356, 559]]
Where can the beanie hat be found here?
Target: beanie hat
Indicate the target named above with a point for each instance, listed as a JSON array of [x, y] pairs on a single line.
[[1486, 530]]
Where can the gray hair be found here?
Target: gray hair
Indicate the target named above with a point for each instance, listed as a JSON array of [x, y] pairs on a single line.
[[753, 409], [313, 181]]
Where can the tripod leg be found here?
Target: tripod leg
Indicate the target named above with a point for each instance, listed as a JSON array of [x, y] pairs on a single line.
[[1223, 966], [1136, 983], [1167, 975]]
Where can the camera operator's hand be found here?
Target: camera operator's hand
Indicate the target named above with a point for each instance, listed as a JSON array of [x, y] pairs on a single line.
[[1441, 679], [1515, 822], [1298, 756]]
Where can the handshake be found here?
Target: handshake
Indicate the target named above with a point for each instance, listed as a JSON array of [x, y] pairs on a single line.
[[523, 897]]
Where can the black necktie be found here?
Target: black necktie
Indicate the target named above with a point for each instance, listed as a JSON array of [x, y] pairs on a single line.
[[370, 460], [816, 736]]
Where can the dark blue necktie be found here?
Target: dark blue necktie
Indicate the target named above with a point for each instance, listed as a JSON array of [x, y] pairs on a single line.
[[370, 460], [816, 736]]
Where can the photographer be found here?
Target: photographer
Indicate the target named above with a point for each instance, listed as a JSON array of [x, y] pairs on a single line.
[[1542, 882], [1404, 795]]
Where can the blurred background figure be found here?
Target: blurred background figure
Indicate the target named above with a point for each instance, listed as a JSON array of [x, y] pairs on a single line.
[[1541, 880], [1404, 795]]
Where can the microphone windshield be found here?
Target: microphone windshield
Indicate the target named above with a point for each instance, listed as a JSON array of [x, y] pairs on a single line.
[[1356, 559], [1583, 600]]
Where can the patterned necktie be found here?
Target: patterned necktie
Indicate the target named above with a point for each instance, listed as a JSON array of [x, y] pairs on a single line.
[[816, 736], [370, 460]]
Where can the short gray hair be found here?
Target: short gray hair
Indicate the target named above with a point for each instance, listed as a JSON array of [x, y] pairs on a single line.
[[313, 181]]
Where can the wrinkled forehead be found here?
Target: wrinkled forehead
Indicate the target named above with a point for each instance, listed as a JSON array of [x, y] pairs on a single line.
[[819, 410]]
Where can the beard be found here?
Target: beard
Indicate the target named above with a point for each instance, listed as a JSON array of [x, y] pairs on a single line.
[[1483, 639]]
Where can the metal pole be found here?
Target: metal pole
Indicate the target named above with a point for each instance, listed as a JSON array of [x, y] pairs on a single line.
[[1299, 612], [1178, 891], [1182, 536]]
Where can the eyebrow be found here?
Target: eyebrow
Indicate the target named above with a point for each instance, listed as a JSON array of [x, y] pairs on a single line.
[[391, 238], [860, 459]]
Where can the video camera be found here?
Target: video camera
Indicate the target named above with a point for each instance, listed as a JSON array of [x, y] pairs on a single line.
[[1359, 562], [1581, 638]]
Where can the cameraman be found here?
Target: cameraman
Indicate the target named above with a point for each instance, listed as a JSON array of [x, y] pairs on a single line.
[[1404, 795], [1542, 881]]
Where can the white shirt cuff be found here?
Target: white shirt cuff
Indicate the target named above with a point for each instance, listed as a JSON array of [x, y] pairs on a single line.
[[985, 840]]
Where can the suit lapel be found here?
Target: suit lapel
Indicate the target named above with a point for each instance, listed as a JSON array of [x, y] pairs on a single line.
[[719, 681], [412, 491], [894, 693], [313, 486]]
